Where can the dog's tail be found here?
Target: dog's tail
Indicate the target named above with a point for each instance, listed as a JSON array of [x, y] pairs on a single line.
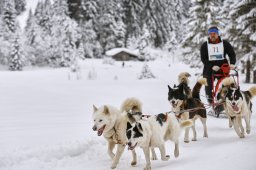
[[131, 104], [186, 123], [183, 78], [251, 92], [196, 89], [228, 82]]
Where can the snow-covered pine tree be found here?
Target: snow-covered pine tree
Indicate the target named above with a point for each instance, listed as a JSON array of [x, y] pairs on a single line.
[[72, 36], [203, 14], [90, 10], [38, 11], [144, 44], [146, 73], [106, 32], [45, 17], [230, 32], [17, 59], [20, 6], [119, 33], [246, 18], [107, 26], [9, 16], [80, 51], [89, 29], [64, 30], [89, 40], [177, 13], [1, 6], [37, 42], [8, 28], [132, 19], [4, 44], [157, 20], [67, 54], [75, 9]]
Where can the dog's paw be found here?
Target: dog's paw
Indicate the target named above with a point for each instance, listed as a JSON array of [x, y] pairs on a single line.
[[186, 140], [154, 157], [176, 153], [147, 168], [113, 166], [194, 139], [153, 154], [133, 163], [165, 158], [248, 131], [241, 135]]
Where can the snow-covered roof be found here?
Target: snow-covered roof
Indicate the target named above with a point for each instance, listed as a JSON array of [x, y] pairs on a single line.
[[115, 51]]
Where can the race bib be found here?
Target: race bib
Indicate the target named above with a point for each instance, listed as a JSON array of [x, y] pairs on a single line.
[[215, 51]]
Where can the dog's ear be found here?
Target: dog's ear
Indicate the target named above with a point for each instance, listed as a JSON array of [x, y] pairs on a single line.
[[129, 126], [106, 110], [170, 89], [187, 74], [181, 87], [238, 88], [139, 126], [94, 108], [224, 91]]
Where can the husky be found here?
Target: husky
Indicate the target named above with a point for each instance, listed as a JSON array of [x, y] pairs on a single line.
[[112, 123], [153, 132], [181, 98], [237, 104]]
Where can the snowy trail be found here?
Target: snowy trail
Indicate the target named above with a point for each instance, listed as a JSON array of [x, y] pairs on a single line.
[[46, 121]]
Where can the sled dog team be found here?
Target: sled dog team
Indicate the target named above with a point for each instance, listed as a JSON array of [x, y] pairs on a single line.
[[128, 126]]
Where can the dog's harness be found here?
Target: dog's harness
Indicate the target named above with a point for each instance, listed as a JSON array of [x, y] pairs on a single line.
[[118, 141], [165, 118], [114, 137]]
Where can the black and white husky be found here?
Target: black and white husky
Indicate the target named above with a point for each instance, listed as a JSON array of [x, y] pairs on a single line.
[[153, 132], [237, 104], [182, 98]]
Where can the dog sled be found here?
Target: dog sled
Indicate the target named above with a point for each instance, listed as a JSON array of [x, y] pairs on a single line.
[[217, 109]]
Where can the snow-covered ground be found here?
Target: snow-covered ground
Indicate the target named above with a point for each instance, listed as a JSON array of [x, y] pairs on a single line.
[[46, 120]]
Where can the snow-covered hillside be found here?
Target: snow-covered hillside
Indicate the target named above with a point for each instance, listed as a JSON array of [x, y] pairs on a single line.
[[46, 120]]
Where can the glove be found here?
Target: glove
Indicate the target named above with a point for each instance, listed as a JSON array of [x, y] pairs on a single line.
[[215, 68], [232, 66]]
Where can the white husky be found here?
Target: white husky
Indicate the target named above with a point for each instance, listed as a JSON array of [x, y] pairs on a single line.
[[112, 123], [153, 132]]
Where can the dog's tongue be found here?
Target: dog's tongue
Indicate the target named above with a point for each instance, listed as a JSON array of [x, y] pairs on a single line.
[[174, 105], [100, 131], [132, 147], [235, 108]]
